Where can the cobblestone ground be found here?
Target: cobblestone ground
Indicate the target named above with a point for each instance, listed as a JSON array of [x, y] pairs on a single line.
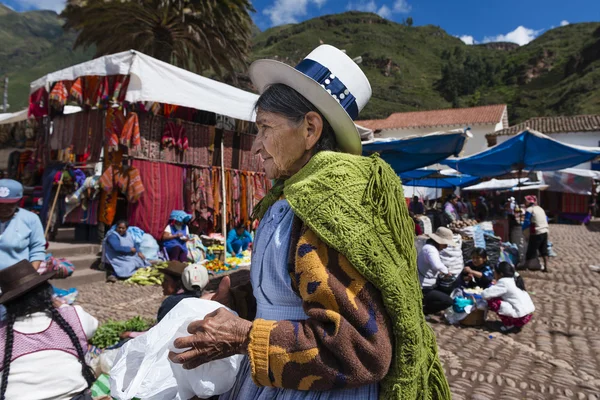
[[556, 356]]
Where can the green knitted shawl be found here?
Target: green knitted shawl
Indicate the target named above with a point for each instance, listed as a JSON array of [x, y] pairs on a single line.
[[356, 206]]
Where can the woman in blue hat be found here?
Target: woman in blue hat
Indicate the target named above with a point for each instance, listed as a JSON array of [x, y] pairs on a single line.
[[21, 231], [176, 235]]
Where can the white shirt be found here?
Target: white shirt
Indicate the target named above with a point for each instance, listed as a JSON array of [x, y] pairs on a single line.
[[49, 374], [516, 303], [187, 230], [429, 265], [538, 219]]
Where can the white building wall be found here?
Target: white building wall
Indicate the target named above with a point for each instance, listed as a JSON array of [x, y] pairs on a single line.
[[474, 145], [590, 139]]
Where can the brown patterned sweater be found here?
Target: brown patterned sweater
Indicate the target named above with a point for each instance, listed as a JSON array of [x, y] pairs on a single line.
[[346, 340]]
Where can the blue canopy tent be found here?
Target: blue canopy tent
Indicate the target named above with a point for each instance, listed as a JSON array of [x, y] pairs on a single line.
[[412, 153], [529, 150], [449, 182], [432, 178]]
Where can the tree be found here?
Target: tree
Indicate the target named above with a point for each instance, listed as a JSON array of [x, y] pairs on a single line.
[[409, 21], [197, 35]]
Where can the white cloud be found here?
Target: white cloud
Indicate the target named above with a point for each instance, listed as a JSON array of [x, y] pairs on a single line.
[[520, 36], [564, 22], [400, 6], [468, 39], [54, 5], [288, 11]]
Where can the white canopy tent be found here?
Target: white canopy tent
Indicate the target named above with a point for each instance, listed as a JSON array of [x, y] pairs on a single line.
[[496, 184], [154, 80], [11, 118]]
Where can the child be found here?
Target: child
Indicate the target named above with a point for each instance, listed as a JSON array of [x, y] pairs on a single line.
[[512, 304], [478, 272]]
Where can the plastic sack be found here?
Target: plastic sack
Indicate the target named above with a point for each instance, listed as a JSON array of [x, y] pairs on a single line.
[[142, 368], [149, 247], [107, 360], [201, 382], [452, 257]]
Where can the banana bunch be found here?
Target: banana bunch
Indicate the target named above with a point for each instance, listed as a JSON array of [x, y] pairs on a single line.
[[148, 276]]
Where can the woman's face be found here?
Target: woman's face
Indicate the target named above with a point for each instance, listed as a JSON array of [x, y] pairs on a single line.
[[169, 285], [8, 210], [285, 147], [122, 229], [477, 260]]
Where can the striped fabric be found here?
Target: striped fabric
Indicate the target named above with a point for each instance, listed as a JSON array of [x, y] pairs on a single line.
[[163, 185]]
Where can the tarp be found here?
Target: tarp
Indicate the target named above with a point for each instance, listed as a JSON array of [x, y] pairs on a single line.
[[422, 192], [408, 154], [450, 182], [497, 184], [570, 180], [529, 150], [11, 118], [432, 178], [154, 80]]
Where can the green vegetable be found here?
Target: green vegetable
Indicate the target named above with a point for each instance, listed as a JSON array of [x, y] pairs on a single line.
[[109, 334]]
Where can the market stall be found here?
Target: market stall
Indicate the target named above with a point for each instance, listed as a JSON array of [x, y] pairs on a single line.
[[169, 139]]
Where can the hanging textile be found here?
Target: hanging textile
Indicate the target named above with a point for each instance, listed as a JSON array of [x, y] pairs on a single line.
[[76, 92], [120, 89], [38, 103], [58, 96], [115, 120], [164, 193], [130, 136], [108, 199], [91, 90]]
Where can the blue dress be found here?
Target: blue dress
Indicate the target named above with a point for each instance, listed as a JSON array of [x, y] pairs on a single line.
[[119, 255], [276, 300]]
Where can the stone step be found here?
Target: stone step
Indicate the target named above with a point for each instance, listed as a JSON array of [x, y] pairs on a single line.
[[65, 235], [80, 277], [69, 250]]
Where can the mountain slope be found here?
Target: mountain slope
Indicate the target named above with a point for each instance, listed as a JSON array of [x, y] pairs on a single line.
[[410, 68], [33, 44]]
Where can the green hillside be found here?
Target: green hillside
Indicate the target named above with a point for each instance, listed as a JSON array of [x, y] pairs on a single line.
[[33, 44], [410, 68]]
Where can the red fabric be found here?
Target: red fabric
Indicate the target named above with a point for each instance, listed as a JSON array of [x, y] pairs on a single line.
[[38, 103], [163, 184], [575, 203], [494, 305]]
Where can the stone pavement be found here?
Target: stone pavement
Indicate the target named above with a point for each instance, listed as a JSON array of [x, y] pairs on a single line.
[[556, 356]]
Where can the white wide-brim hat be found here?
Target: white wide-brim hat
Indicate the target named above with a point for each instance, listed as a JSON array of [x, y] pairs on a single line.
[[331, 81], [443, 236]]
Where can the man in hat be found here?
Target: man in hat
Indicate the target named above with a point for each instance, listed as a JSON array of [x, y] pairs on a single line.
[[181, 282], [536, 224], [21, 231]]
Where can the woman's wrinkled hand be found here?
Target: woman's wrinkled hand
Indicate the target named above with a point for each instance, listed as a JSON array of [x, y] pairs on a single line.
[[219, 335]]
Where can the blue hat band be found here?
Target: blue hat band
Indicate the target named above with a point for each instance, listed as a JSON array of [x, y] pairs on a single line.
[[331, 83]]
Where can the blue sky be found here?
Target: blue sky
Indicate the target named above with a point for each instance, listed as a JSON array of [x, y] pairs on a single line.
[[475, 21]]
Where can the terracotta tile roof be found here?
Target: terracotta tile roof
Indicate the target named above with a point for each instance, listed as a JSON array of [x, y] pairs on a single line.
[[576, 123], [452, 116]]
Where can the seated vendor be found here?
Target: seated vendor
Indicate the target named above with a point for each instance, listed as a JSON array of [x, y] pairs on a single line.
[[176, 235], [477, 272], [180, 282], [238, 240], [121, 254]]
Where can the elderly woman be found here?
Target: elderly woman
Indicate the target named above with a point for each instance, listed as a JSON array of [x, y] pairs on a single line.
[[338, 303], [121, 253]]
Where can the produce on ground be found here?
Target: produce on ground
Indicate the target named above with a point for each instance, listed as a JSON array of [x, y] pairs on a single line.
[[216, 247], [462, 224], [148, 276], [476, 290], [109, 334], [216, 265]]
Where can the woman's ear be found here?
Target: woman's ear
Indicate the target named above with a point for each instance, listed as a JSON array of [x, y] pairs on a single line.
[[314, 129]]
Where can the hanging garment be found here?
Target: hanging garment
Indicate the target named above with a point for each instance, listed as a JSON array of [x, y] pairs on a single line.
[[92, 89], [130, 135], [115, 120], [120, 89], [58, 96], [108, 199], [38, 103], [76, 92]]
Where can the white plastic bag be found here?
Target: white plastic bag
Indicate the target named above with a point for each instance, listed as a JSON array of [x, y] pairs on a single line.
[[142, 368]]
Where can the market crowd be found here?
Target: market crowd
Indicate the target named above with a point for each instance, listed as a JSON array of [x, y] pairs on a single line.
[[333, 279]]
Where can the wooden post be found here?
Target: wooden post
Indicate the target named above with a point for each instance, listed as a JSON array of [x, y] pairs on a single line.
[[224, 196], [48, 222]]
